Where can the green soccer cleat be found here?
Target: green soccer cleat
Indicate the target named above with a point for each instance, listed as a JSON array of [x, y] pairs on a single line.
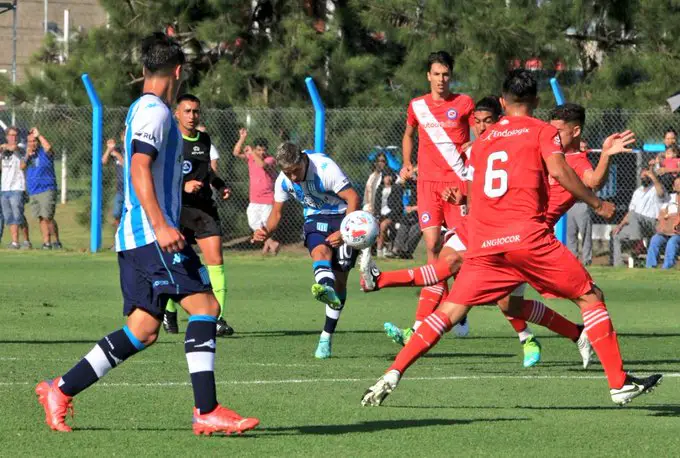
[[532, 351], [323, 350], [398, 335], [326, 295]]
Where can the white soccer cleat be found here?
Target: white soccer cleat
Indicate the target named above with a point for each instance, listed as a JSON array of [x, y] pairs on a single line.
[[462, 329], [634, 387], [369, 271], [377, 393], [585, 349]]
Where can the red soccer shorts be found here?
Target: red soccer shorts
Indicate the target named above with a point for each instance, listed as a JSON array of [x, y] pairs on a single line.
[[548, 266], [433, 211]]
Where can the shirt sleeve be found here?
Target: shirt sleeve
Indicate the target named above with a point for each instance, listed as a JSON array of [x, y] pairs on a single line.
[[470, 112], [411, 119], [149, 128], [634, 200], [269, 161], [549, 142], [280, 189], [333, 178], [214, 154], [582, 166]]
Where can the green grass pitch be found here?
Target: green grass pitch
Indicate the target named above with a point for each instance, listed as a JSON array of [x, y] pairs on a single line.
[[468, 397]]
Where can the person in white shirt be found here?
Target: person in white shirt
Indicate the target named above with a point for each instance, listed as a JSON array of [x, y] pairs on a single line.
[[13, 186], [643, 210], [667, 233]]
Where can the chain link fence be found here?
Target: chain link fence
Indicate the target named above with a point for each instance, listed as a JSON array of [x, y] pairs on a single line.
[[354, 137]]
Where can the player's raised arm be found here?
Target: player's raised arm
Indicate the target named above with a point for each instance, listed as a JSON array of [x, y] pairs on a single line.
[[614, 144]]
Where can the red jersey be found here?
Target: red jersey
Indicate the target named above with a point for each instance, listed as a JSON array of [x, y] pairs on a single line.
[[510, 185], [443, 128], [561, 200]]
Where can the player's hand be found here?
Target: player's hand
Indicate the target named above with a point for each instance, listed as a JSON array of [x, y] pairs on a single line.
[[606, 210], [406, 172], [242, 133], [260, 235], [452, 195], [226, 193], [110, 143], [335, 239], [34, 132], [618, 142], [170, 239], [192, 186]]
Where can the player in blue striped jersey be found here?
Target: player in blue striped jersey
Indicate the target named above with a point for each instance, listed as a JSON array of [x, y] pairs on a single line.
[[326, 195], [155, 262]]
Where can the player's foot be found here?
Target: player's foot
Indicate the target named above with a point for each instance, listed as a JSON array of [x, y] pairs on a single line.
[[585, 349], [222, 420], [323, 350], [377, 393], [26, 245], [398, 335], [170, 322], [532, 351], [57, 245], [462, 329], [369, 272], [46, 246], [634, 387], [326, 295], [223, 328], [14, 246], [55, 403]]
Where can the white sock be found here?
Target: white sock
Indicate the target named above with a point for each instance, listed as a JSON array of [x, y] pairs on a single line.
[[524, 335]]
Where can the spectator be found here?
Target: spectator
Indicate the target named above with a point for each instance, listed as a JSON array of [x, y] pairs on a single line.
[[13, 187], [262, 174], [668, 167], [408, 233], [670, 137], [640, 221], [579, 221], [374, 180], [388, 207], [41, 184], [667, 232], [115, 151]]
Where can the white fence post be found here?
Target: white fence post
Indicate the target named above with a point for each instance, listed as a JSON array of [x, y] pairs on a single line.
[[64, 174]]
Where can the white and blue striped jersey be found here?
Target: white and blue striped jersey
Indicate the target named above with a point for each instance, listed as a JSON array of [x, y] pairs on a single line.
[[152, 127], [318, 192]]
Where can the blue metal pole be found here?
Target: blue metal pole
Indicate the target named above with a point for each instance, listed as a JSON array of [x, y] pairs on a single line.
[[96, 206], [561, 226], [319, 116]]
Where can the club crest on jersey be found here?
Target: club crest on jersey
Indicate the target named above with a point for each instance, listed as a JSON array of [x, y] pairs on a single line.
[[187, 167], [451, 114], [556, 140], [425, 218]]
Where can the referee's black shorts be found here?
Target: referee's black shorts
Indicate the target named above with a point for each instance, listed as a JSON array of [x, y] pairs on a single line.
[[199, 222]]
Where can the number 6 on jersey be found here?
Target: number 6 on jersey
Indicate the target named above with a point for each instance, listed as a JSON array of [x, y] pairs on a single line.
[[495, 179]]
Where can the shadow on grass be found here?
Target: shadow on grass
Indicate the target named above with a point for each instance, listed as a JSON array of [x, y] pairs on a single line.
[[295, 333], [670, 410]]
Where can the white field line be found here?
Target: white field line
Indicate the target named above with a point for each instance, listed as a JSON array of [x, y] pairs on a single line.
[[346, 380]]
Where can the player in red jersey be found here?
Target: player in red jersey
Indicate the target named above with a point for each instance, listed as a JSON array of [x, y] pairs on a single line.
[[510, 242], [442, 120], [569, 120]]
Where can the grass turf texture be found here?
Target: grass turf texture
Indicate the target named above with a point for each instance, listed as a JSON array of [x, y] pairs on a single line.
[[55, 306]]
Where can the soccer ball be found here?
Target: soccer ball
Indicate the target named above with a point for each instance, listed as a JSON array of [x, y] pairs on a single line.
[[359, 229]]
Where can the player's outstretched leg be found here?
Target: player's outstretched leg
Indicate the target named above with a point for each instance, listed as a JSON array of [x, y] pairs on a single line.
[[324, 290], [56, 395], [424, 338]]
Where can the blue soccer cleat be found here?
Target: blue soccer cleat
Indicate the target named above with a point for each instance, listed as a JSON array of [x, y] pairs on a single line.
[[323, 350], [532, 351]]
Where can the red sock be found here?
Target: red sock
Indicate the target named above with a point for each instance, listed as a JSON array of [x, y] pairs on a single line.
[[427, 336], [539, 313], [602, 337], [427, 275], [429, 299], [517, 324]]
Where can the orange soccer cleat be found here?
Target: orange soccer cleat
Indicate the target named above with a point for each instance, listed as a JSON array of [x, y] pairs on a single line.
[[222, 420], [55, 403]]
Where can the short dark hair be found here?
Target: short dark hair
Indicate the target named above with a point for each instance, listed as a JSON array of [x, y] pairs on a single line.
[[569, 112], [670, 130], [160, 53], [261, 141], [439, 57], [520, 87], [188, 98], [491, 104]]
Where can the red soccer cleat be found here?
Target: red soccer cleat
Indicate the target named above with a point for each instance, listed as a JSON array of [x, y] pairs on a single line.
[[55, 403], [222, 420]]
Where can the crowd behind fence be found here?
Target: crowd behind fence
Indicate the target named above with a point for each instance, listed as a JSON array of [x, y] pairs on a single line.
[[353, 137]]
